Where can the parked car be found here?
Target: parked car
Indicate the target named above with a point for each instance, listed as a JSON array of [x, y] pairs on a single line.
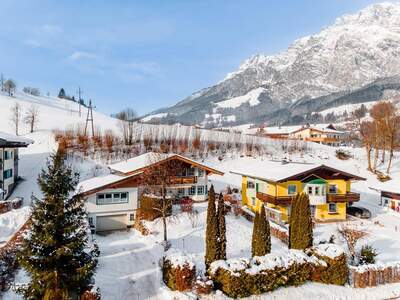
[[359, 212]]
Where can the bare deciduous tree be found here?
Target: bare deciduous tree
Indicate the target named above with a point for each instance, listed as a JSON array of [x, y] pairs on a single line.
[[31, 117], [351, 236], [127, 119], [15, 117], [161, 175], [10, 86]]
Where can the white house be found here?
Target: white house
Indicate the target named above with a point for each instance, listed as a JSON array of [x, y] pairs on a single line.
[[112, 199], [9, 145], [390, 194]]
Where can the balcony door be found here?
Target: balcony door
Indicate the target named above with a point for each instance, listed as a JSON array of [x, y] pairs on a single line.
[[316, 191]]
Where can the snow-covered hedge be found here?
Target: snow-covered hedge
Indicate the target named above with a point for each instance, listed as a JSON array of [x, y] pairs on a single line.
[[179, 271], [374, 274], [244, 277]]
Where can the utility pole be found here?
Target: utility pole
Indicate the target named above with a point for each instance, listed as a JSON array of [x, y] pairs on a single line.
[[89, 118], [80, 92]]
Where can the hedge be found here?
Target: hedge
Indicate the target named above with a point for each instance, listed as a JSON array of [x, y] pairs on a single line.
[[179, 271], [245, 277], [150, 208]]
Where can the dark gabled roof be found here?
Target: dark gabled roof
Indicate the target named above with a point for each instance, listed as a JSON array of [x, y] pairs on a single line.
[[13, 141]]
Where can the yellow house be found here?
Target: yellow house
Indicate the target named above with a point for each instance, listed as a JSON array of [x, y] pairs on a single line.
[[328, 190]]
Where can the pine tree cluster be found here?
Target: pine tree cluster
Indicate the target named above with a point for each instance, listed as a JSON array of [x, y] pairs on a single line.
[[54, 251], [261, 239], [300, 223]]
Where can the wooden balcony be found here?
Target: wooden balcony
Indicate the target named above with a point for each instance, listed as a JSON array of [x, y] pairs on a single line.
[[281, 200], [184, 180], [322, 139], [340, 198]]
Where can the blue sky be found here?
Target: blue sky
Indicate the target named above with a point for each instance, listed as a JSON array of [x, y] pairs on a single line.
[[148, 54]]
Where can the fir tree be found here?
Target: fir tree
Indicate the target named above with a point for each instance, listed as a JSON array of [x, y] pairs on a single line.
[[221, 228], [61, 93], [300, 223], [261, 239], [53, 253], [211, 230]]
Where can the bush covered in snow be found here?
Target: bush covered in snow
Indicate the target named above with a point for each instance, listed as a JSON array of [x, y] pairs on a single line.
[[179, 271], [336, 270], [245, 277]]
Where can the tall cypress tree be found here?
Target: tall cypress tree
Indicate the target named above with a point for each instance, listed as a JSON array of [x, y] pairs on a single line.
[[300, 223], [211, 230], [221, 228], [53, 253], [261, 239]]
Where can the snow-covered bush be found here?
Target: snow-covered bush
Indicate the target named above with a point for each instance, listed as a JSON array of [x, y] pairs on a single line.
[[8, 265], [244, 277], [203, 286], [336, 270], [367, 255], [179, 271]]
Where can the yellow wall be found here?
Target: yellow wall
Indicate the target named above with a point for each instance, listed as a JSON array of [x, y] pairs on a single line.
[[322, 212]]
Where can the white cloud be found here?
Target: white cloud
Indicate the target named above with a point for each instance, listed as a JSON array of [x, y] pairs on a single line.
[[78, 55]]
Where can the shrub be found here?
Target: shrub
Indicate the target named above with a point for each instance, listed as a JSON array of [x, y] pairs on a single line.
[[186, 205], [343, 154], [150, 208], [8, 265], [300, 223], [179, 271], [203, 286], [93, 294], [367, 255]]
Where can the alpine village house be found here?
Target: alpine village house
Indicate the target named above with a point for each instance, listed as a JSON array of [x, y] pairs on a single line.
[[329, 190], [112, 200], [9, 159]]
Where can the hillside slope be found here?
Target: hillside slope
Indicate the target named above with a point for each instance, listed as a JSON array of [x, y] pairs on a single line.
[[358, 53]]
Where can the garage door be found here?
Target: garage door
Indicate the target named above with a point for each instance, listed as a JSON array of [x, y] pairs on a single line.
[[113, 222]]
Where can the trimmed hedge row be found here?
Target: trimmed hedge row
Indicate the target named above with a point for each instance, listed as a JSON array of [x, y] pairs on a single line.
[[242, 277]]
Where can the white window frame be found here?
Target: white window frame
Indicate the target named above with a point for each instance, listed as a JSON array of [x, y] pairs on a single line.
[[107, 200], [200, 190], [295, 189], [329, 208], [192, 190]]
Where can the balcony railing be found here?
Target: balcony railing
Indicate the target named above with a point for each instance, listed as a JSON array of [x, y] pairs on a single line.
[[184, 180], [284, 200]]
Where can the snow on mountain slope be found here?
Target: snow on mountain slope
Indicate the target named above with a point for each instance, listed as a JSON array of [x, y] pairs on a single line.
[[53, 113], [251, 98], [355, 51]]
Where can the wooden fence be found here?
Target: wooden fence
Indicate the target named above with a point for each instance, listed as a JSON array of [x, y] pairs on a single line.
[[374, 274]]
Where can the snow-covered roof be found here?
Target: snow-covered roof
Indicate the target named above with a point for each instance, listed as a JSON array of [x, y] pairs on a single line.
[[291, 129], [142, 161], [391, 186], [101, 181], [6, 138], [277, 171]]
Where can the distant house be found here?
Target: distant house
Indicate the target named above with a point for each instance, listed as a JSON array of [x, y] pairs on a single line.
[[112, 200], [327, 135], [390, 194], [9, 145], [329, 190]]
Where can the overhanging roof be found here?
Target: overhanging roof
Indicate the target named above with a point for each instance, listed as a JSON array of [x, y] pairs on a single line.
[[13, 141]]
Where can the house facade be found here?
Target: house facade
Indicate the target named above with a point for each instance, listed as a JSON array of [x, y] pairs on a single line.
[[9, 160], [329, 191], [112, 200], [389, 194]]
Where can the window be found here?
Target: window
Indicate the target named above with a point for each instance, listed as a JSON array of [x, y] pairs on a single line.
[[317, 191], [206, 188], [333, 189], [90, 219], [192, 190], [132, 217], [181, 191], [190, 172], [8, 154], [257, 186], [111, 198], [250, 184], [8, 173], [309, 190], [292, 189], [323, 190], [253, 201], [332, 207], [201, 173], [200, 190]]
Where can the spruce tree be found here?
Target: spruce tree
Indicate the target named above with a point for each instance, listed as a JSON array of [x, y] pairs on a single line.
[[61, 93], [221, 228], [300, 223], [261, 239], [211, 230], [53, 253]]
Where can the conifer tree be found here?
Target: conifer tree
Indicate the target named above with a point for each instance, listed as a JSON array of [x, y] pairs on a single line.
[[61, 93], [261, 239], [300, 223], [221, 228], [211, 230], [53, 253]]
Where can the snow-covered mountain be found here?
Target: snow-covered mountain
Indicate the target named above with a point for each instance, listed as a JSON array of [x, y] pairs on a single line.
[[358, 54]]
